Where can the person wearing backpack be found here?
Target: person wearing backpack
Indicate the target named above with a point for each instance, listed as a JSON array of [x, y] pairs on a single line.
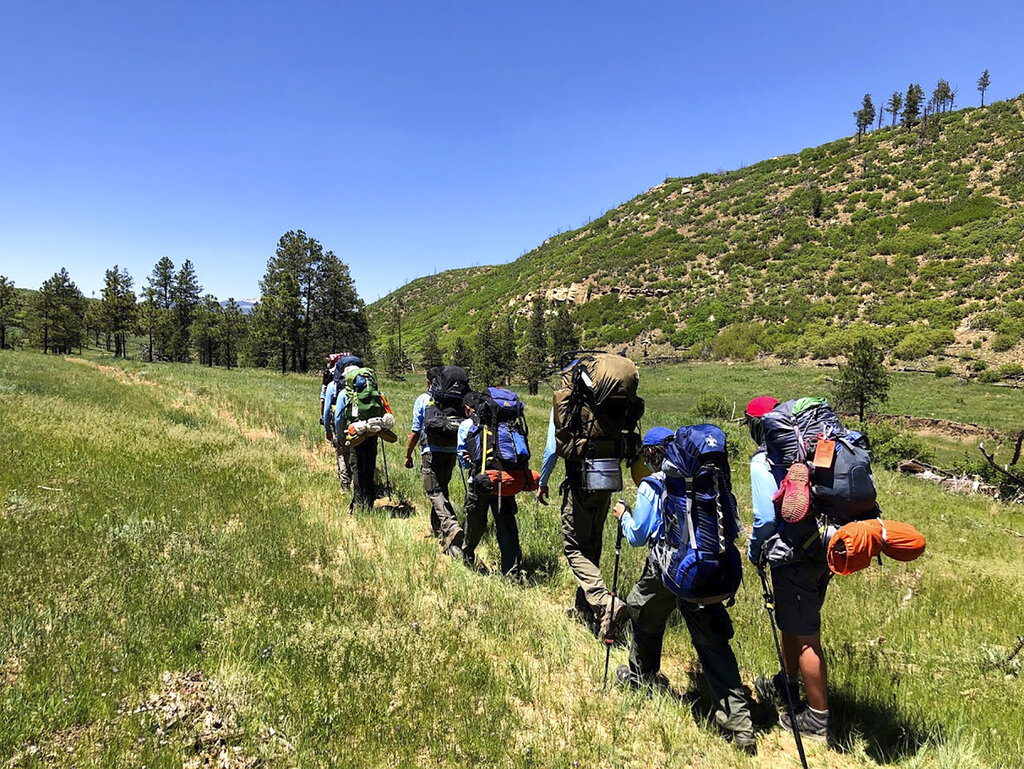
[[799, 576], [435, 421], [593, 427], [479, 500], [651, 601], [328, 407], [437, 460], [359, 401]]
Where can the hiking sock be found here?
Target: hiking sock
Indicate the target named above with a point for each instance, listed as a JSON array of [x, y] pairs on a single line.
[[820, 715]]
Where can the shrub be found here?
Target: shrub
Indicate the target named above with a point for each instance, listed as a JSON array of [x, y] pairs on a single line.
[[989, 376], [978, 365], [943, 371], [1011, 369], [710, 407], [889, 445]]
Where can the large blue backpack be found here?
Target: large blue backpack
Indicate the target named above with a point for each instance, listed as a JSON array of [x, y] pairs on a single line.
[[499, 437], [696, 557]]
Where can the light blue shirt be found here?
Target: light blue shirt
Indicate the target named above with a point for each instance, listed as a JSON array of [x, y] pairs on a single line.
[[419, 410], [328, 423], [550, 452], [461, 447], [763, 486], [643, 525]]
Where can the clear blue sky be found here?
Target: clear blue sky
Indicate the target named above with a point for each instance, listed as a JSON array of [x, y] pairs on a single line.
[[414, 137]]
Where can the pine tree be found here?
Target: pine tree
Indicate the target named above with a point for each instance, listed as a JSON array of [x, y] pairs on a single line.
[[160, 320], [983, 83], [487, 351], [863, 380], [894, 105], [941, 95], [149, 314], [118, 308], [533, 362], [339, 320], [234, 325], [430, 351], [186, 298], [865, 116], [564, 334], [10, 306], [912, 105], [56, 315], [206, 330], [396, 365], [461, 354]]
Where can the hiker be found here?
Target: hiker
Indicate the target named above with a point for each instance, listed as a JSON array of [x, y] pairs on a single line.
[[650, 603], [478, 447], [592, 426], [326, 379], [437, 455], [361, 416], [799, 577], [328, 407]]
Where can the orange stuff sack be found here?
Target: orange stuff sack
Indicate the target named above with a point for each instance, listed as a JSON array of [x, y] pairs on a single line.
[[510, 483], [902, 541], [854, 545]]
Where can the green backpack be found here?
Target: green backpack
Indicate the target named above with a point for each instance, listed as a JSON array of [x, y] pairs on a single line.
[[362, 396]]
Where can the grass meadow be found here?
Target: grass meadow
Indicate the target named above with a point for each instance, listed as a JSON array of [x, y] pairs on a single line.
[[181, 585]]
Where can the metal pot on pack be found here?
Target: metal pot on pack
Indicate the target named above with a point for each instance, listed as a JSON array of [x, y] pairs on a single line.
[[602, 475]]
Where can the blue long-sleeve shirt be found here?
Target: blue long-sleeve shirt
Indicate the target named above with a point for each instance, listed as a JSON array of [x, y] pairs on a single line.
[[644, 524], [327, 421], [763, 486], [461, 449], [547, 467]]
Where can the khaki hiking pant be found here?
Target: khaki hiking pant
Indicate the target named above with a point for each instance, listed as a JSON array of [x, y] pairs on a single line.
[[344, 463], [583, 516], [650, 604], [437, 475]]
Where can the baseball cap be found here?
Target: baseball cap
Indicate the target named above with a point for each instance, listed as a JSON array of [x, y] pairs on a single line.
[[656, 436], [759, 406]]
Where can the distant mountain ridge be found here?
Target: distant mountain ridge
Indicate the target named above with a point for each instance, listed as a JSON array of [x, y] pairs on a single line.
[[913, 236]]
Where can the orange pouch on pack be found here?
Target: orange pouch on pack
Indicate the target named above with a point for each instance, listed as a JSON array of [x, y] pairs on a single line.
[[902, 541], [855, 544]]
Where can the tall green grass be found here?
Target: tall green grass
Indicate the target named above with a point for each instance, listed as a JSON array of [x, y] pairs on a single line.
[[176, 519]]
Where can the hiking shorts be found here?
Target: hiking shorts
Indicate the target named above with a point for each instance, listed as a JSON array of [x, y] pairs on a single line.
[[799, 594]]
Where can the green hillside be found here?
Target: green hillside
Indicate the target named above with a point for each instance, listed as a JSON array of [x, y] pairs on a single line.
[[915, 234]]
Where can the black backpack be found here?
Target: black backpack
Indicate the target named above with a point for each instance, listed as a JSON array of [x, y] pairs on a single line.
[[842, 492], [444, 412]]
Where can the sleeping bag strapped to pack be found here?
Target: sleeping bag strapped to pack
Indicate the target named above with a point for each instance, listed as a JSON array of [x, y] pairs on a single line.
[[697, 558], [596, 409], [807, 431], [444, 411], [498, 438]]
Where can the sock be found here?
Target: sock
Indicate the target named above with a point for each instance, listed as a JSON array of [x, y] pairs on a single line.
[[821, 715]]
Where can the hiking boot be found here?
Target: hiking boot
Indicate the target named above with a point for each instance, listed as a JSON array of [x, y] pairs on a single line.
[[811, 725], [780, 683], [454, 551], [455, 538], [796, 493], [624, 676], [611, 620], [737, 730]]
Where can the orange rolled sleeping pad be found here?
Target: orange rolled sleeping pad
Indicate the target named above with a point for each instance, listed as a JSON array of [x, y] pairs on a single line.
[[855, 544]]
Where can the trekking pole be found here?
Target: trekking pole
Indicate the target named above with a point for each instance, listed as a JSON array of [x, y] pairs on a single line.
[[387, 476], [610, 641], [769, 605]]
